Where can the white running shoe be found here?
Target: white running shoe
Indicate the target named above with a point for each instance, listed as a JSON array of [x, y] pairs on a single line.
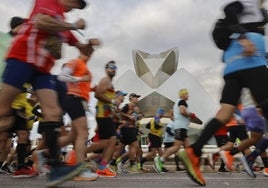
[[86, 175]]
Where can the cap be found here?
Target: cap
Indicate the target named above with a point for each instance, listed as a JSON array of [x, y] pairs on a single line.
[[160, 111], [16, 21], [83, 4], [120, 93], [134, 95]]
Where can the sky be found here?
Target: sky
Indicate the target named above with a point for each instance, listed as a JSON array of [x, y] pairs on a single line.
[[152, 26]]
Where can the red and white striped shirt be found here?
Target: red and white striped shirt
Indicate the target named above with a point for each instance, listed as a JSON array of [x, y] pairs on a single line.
[[28, 45]]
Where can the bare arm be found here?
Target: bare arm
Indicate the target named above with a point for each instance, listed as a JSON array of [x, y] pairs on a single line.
[[103, 86], [50, 24], [183, 111], [53, 25]]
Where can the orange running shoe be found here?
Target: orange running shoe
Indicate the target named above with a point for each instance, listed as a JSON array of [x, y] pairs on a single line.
[[106, 173], [265, 172], [227, 159], [26, 172], [192, 165], [71, 158]]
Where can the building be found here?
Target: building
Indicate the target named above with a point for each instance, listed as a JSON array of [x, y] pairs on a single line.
[[157, 79]]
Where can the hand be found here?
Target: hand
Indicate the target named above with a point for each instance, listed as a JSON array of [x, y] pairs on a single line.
[[94, 42], [86, 78], [192, 115], [248, 47], [85, 49], [80, 24]]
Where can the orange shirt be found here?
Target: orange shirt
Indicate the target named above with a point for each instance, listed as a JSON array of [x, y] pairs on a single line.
[[80, 69]]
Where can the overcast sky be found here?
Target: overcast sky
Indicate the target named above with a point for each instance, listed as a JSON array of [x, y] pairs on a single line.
[[152, 26]]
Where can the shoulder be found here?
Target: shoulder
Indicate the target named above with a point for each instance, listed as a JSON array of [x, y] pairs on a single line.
[[48, 7], [105, 81], [182, 102]]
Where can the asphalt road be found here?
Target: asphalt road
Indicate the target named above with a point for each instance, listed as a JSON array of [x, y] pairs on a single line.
[[146, 180]]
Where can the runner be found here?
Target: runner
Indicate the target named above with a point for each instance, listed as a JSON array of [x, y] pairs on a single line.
[[245, 67], [42, 35]]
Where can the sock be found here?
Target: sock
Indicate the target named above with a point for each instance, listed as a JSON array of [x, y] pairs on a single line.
[[29, 163], [143, 160], [222, 166], [234, 151], [113, 162], [102, 165], [265, 162], [124, 160], [21, 152], [51, 132], [207, 133], [132, 162], [177, 160]]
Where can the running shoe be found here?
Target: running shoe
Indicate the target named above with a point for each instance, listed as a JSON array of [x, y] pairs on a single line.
[[5, 169], [71, 158], [86, 175], [133, 169], [237, 166], [120, 169], [265, 172], [257, 168], [179, 169], [192, 165], [223, 171], [247, 166], [26, 172], [62, 173], [106, 172], [158, 165], [227, 159], [164, 169], [145, 170], [112, 167], [212, 159], [39, 161]]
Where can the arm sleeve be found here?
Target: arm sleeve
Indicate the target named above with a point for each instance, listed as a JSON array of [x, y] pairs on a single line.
[[65, 75], [168, 130], [36, 111]]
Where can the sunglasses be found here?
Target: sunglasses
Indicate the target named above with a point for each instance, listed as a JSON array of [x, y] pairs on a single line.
[[113, 67]]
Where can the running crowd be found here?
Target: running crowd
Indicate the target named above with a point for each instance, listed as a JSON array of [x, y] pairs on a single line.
[[59, 103]]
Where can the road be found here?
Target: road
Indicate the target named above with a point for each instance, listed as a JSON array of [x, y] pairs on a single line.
[[145, 180]]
